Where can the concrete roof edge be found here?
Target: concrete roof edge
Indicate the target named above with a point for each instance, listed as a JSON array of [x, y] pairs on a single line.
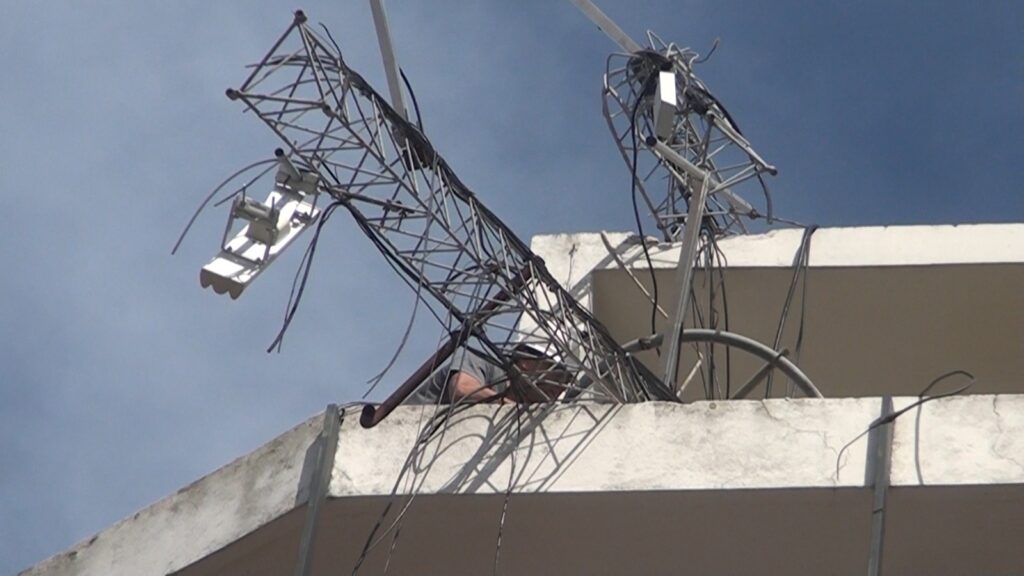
[[866, 246], [796, 444], [198, 519]]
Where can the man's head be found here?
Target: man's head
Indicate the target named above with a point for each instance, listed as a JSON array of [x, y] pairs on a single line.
[[538, 377]]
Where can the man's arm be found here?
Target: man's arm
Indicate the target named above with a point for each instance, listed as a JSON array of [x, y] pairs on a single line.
[[463, 386]]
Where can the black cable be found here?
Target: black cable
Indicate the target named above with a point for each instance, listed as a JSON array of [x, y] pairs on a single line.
[[921, 399], [800, 263], [716, 265], [706, 57], [636, 208], [704, 255], [722, 263], [412, 95], [803, 295], [519, 411], [301, 277], [377, 378]]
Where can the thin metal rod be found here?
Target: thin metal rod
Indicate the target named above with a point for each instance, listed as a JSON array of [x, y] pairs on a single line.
[[684, 269], [625, 268], [883, 463], [606, 25], [757, 378]]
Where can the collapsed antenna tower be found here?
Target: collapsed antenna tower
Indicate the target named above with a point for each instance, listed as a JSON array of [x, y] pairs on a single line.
[[343, 140]]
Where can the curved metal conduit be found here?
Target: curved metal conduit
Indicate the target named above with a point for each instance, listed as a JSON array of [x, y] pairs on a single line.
[[773, 358]]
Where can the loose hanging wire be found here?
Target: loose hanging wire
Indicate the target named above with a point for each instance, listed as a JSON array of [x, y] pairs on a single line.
[[301, 277], [922, 398], [647, 85], [218, 188], [800, 265]]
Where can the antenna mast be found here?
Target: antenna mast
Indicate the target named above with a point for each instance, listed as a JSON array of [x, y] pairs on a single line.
[[692, 150]]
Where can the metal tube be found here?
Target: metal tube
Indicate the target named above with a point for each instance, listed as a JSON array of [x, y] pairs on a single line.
[[387, 53], [756, 348], [606, 25], [756, 379], [372, 416], [684, 269], [285, 164], [775, 359], [883, 465]]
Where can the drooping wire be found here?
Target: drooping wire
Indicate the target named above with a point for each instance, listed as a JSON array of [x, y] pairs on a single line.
[[377, 378], [438, 421], [214, 192], [433, 430], [800, 265], [636, 209], [922, 398], [710, 253], [720, 267], [302, 276], [519, 410], [412, 95]]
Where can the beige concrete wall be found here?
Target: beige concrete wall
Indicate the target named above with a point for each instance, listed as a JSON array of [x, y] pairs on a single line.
[[888, 309]]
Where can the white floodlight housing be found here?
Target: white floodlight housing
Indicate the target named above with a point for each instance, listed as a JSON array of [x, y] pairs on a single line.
[[665, 105], [270, 227]]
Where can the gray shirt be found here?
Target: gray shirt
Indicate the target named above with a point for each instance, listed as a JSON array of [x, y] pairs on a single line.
[[434, 388]]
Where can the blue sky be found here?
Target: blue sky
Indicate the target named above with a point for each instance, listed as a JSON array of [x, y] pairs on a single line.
[[121, 380]]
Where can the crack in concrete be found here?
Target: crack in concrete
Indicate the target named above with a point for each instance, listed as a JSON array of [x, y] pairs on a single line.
[[822, 434]]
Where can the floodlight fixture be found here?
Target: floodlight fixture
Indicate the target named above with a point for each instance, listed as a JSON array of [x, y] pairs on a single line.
[[270, 227]]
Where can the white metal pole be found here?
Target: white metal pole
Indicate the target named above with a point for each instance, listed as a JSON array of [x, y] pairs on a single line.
[[387, 53], [687, 253], [611, 29]]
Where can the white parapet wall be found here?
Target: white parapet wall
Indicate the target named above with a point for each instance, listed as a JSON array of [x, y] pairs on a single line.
[[721, 487], [571, 257]]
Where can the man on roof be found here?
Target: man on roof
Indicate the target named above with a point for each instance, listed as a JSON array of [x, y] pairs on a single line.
[[470, 376]]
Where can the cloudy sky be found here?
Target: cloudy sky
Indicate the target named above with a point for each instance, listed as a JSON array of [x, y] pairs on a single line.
[[121, 380]]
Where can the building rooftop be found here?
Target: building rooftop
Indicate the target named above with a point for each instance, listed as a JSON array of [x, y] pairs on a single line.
[[806, 486]]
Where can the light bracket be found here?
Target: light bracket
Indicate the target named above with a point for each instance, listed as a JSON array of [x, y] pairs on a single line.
[[271, 226]]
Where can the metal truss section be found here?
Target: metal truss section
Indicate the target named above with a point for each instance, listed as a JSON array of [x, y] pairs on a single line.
[[693, 142], [480, 280]]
